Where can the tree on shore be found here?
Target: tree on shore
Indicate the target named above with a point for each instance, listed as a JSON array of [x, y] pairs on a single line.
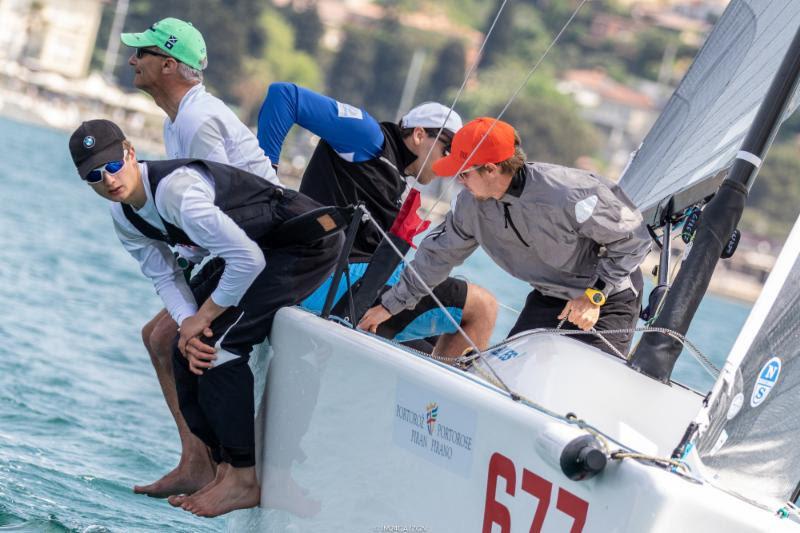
[[232, 32], [390, 65], [350, 76], [277, 59], [448, 71], [308, 28], [773, 200], [502, 37]]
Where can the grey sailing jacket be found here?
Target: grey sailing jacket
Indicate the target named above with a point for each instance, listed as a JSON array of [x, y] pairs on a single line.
[[558, 228]]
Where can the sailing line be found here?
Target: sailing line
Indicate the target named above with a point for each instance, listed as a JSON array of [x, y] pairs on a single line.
[[514, 95], [472, 67]]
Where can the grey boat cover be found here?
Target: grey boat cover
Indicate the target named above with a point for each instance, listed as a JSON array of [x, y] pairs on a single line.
[[752, 444], [699, 132]]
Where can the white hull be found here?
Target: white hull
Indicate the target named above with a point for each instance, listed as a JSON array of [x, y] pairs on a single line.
[[369, 463]]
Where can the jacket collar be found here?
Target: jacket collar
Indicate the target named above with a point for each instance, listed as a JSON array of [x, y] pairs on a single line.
[[517, 185], [404, 156]]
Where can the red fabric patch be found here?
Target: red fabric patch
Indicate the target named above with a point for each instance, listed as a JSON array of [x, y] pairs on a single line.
[[408, 224]]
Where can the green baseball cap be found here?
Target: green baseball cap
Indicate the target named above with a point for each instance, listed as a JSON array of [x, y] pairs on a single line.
[[176, 37]]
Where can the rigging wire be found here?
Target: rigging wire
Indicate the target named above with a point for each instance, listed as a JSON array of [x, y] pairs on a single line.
[[452, 179], [704, 361], [514, 95], [472, 68], [449, 316], [509, 308]]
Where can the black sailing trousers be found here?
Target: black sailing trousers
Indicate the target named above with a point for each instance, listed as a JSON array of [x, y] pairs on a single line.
[[621, 311], [218, 406]]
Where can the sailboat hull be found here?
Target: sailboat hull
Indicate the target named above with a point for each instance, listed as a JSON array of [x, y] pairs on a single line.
[[360, 435]]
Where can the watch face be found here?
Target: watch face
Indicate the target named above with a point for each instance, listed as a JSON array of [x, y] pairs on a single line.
[[597, 298]]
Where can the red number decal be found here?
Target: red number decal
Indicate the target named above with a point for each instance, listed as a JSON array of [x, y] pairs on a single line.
[[571, 505], [495, 512], [541, 489]]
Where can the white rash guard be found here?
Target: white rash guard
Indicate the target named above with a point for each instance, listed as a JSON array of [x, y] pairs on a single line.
[[185, 198], [205, 128]]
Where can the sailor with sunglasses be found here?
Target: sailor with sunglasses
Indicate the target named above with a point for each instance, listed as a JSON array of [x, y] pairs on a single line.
[[359, 159], [232, 214], [168, 63]]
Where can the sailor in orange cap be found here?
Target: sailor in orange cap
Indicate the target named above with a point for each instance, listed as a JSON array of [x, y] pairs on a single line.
[[573, 235]]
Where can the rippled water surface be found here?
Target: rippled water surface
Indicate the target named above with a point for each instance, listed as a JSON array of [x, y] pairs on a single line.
[[81, 414]]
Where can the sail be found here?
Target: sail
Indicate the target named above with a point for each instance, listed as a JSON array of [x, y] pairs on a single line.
[[701, 128], [751, 444]]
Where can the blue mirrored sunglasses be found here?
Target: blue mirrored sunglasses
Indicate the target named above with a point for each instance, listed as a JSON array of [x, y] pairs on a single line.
[[112, 167]]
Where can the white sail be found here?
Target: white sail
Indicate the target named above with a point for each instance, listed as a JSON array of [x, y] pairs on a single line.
[[751, 443], [705, 121]]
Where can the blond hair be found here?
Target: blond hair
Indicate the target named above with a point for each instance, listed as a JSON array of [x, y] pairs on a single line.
[[516, 161]]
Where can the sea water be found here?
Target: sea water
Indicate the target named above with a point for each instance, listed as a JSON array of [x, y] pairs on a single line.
[[81, 415]]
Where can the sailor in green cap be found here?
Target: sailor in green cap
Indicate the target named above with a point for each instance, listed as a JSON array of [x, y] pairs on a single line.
[[175, 38], [168, 63]]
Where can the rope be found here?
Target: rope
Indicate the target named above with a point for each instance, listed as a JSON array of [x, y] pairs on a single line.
[[617, 455], [602, 338], [455, 323], [589, 429], [449, 184], [509, 308], [461, 89], [704, 361]]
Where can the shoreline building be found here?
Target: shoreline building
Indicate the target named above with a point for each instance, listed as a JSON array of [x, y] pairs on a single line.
[[623, 115], [50, 35]]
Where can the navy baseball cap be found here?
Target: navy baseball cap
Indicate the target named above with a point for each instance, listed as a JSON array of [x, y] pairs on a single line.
[[95, 143]]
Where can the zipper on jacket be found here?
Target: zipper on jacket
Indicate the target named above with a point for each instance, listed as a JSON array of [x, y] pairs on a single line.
[[509, 220]]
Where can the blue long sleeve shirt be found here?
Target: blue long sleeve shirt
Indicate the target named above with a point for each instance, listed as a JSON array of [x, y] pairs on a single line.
[[357, 160], [350, 131]]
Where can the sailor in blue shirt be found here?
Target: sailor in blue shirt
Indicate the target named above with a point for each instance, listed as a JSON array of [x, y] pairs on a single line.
[[359, 159]]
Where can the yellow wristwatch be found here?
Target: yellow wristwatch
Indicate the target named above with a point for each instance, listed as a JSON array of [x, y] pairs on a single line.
[[595, 296]]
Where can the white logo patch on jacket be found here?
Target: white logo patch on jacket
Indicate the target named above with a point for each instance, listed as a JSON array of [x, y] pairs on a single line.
[[348, 111], [585, 208]]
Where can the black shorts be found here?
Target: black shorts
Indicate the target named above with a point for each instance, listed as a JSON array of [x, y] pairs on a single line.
[[427, 319], [621, 311]]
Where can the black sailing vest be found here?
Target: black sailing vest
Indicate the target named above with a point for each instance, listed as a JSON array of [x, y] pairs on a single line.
[[378, 182], [256, 205]]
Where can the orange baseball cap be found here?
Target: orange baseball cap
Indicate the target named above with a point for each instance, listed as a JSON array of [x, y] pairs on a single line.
[[496, 147]]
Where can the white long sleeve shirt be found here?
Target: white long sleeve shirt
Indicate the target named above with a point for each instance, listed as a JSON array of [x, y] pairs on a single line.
[[185, 198], [205, 128]]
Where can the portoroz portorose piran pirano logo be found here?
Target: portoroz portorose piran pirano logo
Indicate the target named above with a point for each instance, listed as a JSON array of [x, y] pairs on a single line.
[[433, 427]]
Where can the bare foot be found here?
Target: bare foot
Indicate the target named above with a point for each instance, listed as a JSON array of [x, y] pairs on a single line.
[[283, 492], [178, 500], [238, 489], [189, 476]]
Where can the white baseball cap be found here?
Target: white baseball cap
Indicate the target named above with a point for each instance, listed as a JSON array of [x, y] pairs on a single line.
[[431, 115]]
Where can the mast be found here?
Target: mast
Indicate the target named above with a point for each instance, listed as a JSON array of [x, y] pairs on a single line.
[[657, 353], [112, 51]]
